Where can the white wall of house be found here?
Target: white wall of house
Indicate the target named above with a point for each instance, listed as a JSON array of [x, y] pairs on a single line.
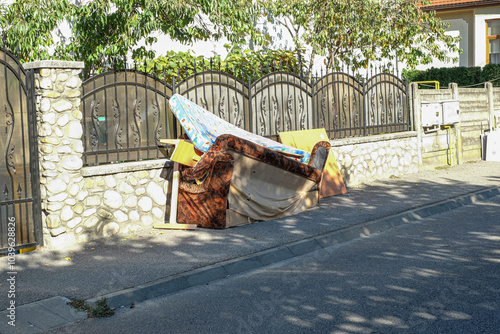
[[459, 27], [482, 15], [473, 51]]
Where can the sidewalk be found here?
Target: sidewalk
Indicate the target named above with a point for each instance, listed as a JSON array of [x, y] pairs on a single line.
[[156, 262]]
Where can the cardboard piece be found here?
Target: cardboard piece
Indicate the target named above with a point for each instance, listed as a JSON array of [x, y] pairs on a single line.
[[332, 182], [184, 152]]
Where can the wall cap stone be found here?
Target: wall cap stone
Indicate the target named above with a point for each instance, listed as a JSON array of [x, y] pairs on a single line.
[[124, 167], [54, 64], [372, 139]]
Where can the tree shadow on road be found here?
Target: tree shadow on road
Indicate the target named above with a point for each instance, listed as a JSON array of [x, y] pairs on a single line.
[[113, 264]]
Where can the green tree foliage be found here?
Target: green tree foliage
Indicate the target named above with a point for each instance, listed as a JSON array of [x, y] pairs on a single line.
[[357, 32], [245, 65], [104, 29], [351, 32], [27, 26]]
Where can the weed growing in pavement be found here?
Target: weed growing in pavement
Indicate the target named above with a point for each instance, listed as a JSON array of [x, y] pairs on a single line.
[[99, 311]]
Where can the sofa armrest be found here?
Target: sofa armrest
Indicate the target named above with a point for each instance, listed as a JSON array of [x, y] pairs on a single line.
[[319, 155]]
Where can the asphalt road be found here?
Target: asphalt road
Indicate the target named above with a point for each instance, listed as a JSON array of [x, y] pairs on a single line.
[[440, 275]]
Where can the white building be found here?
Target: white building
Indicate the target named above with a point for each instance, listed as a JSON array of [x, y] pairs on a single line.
[[477, 23]]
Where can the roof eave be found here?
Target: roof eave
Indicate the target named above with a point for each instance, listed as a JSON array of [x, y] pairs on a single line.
[[463, 5]]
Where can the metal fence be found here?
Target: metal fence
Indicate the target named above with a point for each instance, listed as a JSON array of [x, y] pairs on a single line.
[[126, 112], [20, 208]]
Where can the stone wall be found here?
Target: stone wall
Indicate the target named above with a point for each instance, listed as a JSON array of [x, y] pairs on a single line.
[[117, 199], [367, 158], [83, 203]]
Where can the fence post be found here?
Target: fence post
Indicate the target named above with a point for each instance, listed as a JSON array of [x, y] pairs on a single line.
[[34, 152], [250, 116], [457, 127], [409, 107], [415, 107], [491, 104], [175, 124], [365, 107], [58, 95], [313, 106]]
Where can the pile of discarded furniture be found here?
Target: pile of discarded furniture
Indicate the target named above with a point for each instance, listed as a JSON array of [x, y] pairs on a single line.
[[225, 176]]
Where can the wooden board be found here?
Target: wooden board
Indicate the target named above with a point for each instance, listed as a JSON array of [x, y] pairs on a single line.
[[170, 226], [173, 225]]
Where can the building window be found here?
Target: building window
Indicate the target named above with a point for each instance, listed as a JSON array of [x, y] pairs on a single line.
[[493, 42]]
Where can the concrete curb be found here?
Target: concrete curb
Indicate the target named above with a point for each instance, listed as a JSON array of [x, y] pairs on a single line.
[[204, 275]]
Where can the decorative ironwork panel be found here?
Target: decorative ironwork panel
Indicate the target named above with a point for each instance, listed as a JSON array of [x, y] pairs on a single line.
[[338, 99], [20, 212], [220, 93], [126, 113], [387, 104], [280, 101]]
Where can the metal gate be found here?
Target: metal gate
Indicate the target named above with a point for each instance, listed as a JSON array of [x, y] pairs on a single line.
[[20, 209], [126, 112]]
